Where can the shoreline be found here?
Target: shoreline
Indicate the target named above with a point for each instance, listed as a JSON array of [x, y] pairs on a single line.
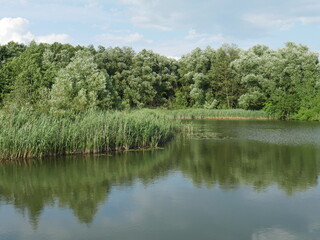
[[225, 118], [29, 135]]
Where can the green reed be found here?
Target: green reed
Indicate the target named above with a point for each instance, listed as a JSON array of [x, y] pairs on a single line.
[[29, 135]]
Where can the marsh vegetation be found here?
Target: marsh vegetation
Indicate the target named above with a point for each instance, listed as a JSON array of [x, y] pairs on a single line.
[[28, 135]]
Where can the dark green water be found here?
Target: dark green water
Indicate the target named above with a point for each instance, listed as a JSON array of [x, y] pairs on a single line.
[[232, 180]]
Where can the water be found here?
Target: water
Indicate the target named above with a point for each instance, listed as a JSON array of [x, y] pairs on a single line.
[[232, 180]]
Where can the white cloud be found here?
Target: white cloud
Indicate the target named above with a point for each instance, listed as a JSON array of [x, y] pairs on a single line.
[[203, 39], [269, 21], [133, 2], [307, 6], [193, 34], [209, 39], [16, 29], [181, 47], [122, 39], [309, 20], [153, 14], [62, 38]]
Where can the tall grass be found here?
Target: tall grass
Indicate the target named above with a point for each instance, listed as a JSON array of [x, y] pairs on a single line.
[[216, 113], [27, 135]]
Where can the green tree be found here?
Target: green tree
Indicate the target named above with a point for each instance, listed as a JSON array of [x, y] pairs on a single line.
[[150, 81], [222, 78], [80, 86], [252, 70], [22, 78], [193, 70], [55, 57], [295, 72], [10, 50], [116, 62]]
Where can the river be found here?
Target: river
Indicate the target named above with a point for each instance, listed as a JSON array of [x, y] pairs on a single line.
[[230, 180]]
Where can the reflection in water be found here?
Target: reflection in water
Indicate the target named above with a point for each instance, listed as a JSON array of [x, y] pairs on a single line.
[[253, 163], [78, 183], [228, 154], [274, 234]]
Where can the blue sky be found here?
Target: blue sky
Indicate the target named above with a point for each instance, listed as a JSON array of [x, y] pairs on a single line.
[[169, 27]]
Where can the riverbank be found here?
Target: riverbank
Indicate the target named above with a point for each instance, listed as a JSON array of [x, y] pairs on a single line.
[[30, 135], [26, 134], [230, 114]]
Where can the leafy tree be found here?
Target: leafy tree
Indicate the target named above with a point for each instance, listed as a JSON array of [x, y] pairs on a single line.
[[194, 81], [223, 81], [80, 86], [22, 77], [116, 62], [295, 72], [252, 71], [55, 57], [150, 81], [10, 50]]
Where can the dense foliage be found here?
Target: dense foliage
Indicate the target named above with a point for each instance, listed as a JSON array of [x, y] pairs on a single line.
[[60, 79]]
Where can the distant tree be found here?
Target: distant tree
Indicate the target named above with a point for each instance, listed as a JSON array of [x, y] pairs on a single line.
[[10, 50], [295, 72], [193, 70], [116, 62], [223, 81], [80, 86], [150, 81], [283, 82], [252, 72], [55, 57], [22, 78]]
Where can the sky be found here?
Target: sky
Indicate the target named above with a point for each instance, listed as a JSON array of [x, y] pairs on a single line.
[[169, 27]]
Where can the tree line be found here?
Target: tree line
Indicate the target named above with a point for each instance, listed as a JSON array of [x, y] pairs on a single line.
[[61, 78]]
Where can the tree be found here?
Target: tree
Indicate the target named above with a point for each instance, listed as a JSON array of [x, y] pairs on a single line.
[[193, 70], [22, 78], [55, 57], [80, 86], [295, 72], [222, 78], [10, 50], [252, 72], [150, 81], [116, 62]]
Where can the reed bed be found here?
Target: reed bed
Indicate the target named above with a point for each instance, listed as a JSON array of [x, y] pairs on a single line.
[[216, 114], [29, 135]]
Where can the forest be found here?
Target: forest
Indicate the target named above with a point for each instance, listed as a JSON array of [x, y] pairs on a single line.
[[61, 79]]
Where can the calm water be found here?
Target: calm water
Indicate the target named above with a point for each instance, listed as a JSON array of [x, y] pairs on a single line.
[[232, 180]]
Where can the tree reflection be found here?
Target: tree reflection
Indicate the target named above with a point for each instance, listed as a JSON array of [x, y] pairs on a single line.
[[83, 183], [77, 183], [231, 163]]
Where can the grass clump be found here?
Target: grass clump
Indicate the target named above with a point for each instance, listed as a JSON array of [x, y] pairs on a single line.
[[30, 135]]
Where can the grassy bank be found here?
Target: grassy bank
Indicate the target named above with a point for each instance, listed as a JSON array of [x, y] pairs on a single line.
[[27, 135], [193, 113]]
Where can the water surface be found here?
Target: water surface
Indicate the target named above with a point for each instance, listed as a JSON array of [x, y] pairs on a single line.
[[232, 180]]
